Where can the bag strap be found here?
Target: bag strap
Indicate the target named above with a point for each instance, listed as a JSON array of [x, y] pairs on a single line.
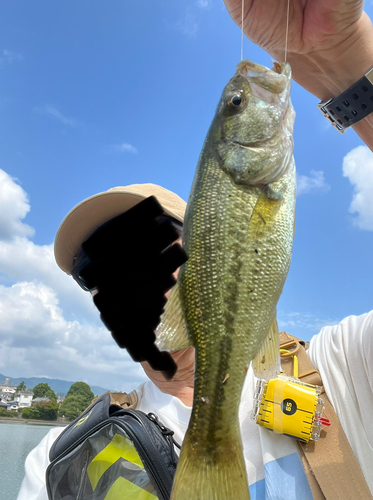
[[124, 400], [330, 464]]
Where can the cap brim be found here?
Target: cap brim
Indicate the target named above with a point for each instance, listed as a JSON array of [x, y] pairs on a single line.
[[91, 213]]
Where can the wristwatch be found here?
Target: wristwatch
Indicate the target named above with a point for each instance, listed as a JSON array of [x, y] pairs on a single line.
[[352, 105]]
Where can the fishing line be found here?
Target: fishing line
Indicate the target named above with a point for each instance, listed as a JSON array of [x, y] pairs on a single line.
[[287, 30], [243, 3]]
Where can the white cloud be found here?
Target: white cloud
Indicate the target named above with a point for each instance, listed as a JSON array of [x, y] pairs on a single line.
[[65, 120], [303, 325], [125, 147], [188, 25], [36, 338], [49, 326], [314, 182], [192, 17], [22, 260], [204, 4], [7, 56], [358, 168], [14, 206]]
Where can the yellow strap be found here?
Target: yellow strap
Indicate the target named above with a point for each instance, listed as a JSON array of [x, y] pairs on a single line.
[[295, 361]]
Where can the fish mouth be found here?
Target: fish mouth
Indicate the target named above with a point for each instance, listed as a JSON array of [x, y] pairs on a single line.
[[275, 80], [270, 86]]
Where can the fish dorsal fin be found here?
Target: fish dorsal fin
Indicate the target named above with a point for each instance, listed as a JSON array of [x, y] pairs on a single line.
[[266, 364], [171, 332]]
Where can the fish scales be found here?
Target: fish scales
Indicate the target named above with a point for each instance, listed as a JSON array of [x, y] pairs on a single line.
[[238, 233]]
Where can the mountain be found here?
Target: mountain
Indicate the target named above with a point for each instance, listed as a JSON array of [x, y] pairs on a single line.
[[58, 386]]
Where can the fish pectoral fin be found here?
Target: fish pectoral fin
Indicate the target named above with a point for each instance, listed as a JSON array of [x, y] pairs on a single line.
[[266, 364], [265, 211], [171, 333]]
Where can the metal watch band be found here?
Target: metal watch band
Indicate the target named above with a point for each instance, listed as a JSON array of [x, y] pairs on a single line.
[[352, 105]]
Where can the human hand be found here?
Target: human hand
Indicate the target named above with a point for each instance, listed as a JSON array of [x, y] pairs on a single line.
[[131, 264], [320, 25], [329, 41]]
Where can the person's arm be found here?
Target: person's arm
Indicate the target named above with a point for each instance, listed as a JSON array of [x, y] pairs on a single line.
[[343, 354], [330, 43], [33, 486]]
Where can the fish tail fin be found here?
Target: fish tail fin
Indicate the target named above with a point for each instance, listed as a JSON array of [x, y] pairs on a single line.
[[211, 473]]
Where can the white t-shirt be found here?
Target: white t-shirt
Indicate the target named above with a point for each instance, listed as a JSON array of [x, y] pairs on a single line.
[[344, 356]]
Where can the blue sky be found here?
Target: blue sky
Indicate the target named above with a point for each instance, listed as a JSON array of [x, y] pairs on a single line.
[[95, 95]]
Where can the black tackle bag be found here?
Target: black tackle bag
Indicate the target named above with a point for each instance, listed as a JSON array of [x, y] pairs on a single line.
[[111, 453]]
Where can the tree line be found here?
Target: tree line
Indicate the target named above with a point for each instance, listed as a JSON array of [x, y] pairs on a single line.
[[76, 401]]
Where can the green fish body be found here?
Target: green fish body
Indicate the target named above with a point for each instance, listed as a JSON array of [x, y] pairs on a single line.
[[238, 234]]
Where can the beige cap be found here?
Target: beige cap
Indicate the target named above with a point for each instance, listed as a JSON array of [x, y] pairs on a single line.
[[91, 213]]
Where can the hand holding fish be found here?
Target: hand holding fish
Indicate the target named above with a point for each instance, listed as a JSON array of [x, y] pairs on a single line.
[[321, 25], [330, 42]]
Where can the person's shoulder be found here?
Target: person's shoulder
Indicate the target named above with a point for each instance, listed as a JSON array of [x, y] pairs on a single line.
[[50, 437], [350, 336], [353, 325], [140, 391]]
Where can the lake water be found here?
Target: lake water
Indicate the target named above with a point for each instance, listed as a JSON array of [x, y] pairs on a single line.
[[16, 441]]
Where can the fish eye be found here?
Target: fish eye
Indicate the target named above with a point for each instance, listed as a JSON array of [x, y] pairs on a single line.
[[236, 102], [236, 99]]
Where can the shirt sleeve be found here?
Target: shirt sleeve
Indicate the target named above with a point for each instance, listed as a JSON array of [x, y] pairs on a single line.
[[33, 486], [343, 354]]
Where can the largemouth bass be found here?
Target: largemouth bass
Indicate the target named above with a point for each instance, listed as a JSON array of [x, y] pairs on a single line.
[[238, 234]]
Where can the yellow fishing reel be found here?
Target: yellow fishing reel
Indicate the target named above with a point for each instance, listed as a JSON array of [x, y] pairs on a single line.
[[286, 405]]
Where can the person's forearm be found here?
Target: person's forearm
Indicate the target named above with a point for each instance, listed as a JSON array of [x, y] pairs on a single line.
[[328, 74]]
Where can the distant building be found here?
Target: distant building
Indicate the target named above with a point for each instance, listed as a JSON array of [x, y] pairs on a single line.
[[7, 391], [23, 398], [12, 407]]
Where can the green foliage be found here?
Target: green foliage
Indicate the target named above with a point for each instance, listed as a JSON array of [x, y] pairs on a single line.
[[43, 390], [73, 406], [48, 410], [21, 387], [42, 411], [31, 413], [5, 413], [81, 389]]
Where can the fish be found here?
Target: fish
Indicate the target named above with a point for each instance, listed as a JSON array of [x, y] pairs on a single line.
[[238, 234]]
